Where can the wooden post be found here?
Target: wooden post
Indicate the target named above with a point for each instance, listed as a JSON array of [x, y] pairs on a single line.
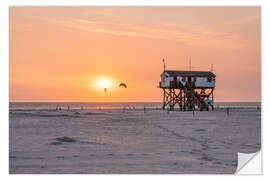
[[181, 99], [170, 99], [185, 100], [213, 98], [163, 107]]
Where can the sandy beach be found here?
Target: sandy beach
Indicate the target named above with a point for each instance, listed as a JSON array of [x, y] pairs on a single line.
[[130, 141]]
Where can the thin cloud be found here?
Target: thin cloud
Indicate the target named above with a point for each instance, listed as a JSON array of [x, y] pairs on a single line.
[[243, 20], [198, 36]]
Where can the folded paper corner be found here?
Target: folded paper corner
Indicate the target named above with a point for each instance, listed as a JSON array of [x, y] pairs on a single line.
[[249, 164]]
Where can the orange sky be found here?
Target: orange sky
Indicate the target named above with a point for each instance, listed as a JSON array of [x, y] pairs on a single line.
[[61, 53]]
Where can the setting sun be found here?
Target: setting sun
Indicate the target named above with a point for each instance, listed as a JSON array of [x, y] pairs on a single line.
[[104, 83]]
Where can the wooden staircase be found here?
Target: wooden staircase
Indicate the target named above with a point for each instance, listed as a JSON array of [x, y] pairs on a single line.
[[192, 94]]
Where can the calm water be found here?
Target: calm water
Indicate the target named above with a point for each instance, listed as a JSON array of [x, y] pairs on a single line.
[[120, 105]]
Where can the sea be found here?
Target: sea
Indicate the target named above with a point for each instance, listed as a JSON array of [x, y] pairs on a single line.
[[114, 105]]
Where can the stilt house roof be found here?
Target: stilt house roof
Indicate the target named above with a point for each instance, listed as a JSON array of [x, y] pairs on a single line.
[[190, 73]]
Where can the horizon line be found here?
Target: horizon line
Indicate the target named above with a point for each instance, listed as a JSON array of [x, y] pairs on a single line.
[[115, 101]]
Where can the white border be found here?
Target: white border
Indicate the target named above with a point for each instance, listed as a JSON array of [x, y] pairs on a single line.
[[4, 75], [4, 50]]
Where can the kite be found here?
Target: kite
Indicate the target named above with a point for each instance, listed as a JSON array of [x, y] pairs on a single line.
[[123, 85]]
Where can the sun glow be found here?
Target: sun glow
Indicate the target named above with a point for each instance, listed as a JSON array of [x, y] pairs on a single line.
[[104, 83]]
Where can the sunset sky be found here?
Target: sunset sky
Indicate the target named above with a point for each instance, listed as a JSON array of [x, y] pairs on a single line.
[[70, 54]]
